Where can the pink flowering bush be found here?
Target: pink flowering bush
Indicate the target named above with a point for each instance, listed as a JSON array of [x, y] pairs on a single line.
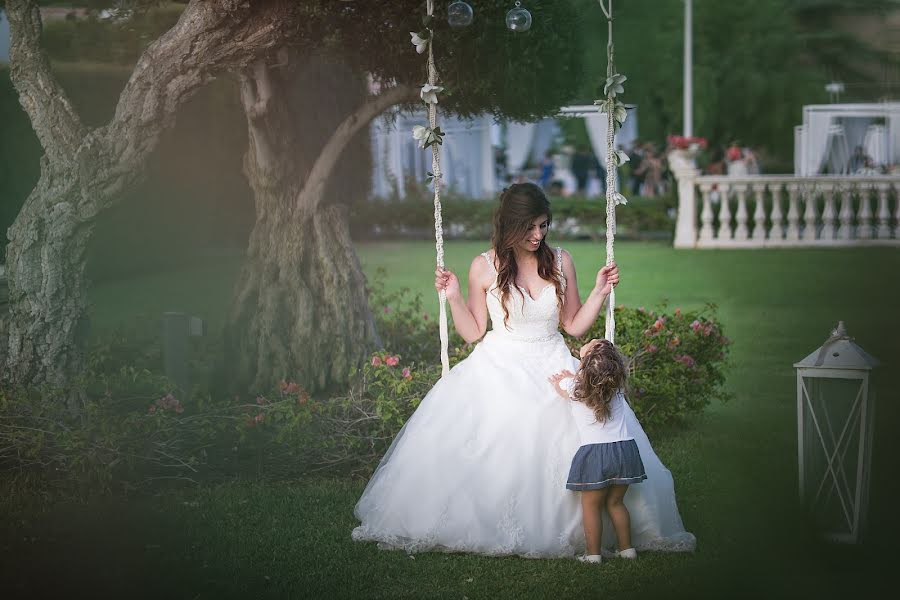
[[677, 361]]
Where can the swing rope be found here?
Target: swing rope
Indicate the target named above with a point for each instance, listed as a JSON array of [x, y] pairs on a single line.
[[612, 174], [438, 220]]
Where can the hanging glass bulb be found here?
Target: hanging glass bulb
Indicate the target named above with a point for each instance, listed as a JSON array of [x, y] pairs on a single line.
[[518, 18], [460, 14]]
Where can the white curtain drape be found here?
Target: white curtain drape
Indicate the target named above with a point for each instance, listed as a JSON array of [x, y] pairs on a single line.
[[544, 132], [855, 129], [519, 137], [875, 144], [816, 142], [838, 154], [596, 129]]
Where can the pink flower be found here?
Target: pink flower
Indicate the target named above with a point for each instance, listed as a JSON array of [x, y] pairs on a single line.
[[674, 342], [392, 361], [292, 388], [387, 309], [659, 323], [302, 398], [282, 385], [259, 418], [642, 309], [407, 374], [652, 348], [686, 360], [260, 400], [677, 312], [376, 361], [179, 409], [695, 325]]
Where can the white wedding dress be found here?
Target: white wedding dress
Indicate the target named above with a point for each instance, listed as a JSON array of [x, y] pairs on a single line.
[[481, 465]]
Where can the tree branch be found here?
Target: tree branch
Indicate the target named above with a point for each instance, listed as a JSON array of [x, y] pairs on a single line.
[[311, 193], [52, 115], [212, 36]]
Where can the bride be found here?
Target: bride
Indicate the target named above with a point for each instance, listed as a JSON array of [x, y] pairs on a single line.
[[481, 465]]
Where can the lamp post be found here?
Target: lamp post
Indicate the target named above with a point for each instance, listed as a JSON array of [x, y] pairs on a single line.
[[688, 70], [834, 435]]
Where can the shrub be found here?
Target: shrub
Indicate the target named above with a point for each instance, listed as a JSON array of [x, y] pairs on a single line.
[[466, 218], [676, 361]]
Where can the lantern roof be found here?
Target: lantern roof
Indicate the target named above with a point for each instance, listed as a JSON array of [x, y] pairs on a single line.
[[839, 352]]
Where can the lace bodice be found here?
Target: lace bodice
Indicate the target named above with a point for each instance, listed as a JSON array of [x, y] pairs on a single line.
[[530, 319]]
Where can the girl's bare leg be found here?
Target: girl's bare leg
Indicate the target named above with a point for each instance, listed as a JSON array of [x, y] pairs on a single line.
[[592, 502], [618, 514]]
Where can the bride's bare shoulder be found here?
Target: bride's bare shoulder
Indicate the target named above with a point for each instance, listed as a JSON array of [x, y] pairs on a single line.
[[482, 269]]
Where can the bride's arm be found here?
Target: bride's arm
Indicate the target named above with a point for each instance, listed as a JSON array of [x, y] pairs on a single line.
[[469, 318], [577, 318]]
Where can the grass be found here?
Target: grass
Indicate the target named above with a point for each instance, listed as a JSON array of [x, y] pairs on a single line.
[[734, 468]]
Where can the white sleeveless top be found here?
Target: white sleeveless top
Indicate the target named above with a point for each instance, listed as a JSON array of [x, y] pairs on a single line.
[[530, 319], [613, 429]]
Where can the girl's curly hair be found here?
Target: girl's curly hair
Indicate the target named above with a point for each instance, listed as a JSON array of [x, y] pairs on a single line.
[[601, 374]]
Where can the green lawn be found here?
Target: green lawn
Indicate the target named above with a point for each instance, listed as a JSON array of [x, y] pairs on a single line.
[[734, 468]]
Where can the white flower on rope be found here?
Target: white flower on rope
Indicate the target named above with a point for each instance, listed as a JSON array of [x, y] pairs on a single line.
[[420, 40], [429, 93], [427, 136], [614, 86]]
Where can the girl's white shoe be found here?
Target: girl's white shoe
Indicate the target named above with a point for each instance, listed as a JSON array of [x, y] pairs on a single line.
[[590, 558], [629, 553]]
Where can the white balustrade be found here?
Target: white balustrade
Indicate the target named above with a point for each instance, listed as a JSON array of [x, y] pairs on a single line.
[[820, 211]]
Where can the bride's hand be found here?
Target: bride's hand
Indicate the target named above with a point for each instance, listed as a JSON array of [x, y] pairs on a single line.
[[444, 279], [607, 278]]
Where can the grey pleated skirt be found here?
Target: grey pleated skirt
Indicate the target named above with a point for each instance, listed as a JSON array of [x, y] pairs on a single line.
[[597, 466]]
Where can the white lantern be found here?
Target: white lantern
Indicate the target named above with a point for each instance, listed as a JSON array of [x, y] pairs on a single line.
[[834, 435]]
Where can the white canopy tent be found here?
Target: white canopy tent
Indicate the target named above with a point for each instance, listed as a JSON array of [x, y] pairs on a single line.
[[830, 133], [469, 161]]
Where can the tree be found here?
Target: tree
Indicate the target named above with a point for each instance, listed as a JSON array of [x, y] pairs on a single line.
[[300, 307], [85, 170]]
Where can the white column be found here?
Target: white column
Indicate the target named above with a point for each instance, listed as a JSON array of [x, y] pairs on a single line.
[[777, 231], [810, 215], [706, 215], [686, 223], [828, 214], [759, 213], [725, 232], [741, 233], [864, 230], [793, 217], [688, 70], [884, 215], [846, 214], [488, 168]]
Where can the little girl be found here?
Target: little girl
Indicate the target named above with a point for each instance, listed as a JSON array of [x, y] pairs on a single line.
[[608, 460]]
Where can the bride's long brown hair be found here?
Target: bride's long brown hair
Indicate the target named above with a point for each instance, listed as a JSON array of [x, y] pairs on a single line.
[[520, 205]]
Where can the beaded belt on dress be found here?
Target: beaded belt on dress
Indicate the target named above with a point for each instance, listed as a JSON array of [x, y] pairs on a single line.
[[516, 338]]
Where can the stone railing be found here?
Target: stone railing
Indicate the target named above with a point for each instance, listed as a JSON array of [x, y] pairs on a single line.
[[765, 211]]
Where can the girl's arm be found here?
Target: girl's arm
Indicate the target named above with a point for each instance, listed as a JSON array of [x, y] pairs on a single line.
[[469, 318], [555, 382], [577, 318]]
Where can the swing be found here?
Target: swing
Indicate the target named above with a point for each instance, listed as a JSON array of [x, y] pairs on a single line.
[[432, 136]]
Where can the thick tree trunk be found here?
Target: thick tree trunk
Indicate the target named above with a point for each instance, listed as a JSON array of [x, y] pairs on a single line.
[[47, 291], [300, 309]]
